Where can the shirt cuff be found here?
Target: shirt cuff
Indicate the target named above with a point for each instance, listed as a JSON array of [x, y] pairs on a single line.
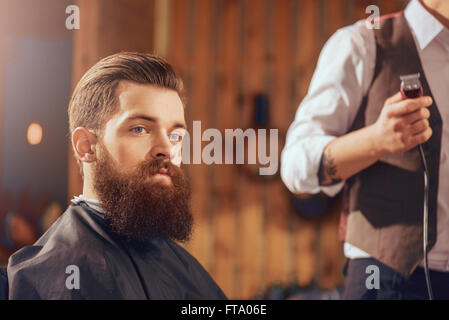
[[300, 165]]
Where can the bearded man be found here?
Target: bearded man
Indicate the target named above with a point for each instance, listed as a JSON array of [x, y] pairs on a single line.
[[117, 239]]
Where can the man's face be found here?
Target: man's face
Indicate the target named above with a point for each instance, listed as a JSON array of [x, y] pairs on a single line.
[[143, 194], [149, 124]]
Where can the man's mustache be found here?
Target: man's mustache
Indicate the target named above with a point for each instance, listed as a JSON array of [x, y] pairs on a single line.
[[153, 167]]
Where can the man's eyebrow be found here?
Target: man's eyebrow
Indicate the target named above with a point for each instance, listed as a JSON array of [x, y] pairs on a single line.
[[151, 119]]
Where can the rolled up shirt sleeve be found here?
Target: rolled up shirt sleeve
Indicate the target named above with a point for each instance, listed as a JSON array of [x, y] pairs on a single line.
[[340, 81]]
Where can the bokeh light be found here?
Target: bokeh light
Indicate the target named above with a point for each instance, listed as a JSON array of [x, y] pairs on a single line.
[[34, 133]]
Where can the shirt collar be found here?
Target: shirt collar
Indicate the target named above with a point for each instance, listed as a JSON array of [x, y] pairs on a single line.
[[423, 24], [93, 203]]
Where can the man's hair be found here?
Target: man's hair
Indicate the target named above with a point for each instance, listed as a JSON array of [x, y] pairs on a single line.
[[94, 100]]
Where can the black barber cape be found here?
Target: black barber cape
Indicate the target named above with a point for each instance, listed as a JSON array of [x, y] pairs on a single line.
[[109, 268]]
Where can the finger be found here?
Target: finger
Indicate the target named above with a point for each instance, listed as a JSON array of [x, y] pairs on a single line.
[[409, 105], [419, 126], [421, 137], [395, 98], [419, 114]]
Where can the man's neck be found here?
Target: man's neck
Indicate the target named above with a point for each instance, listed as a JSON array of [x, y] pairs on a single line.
[[439, 9], [88, 185], [89, 192]]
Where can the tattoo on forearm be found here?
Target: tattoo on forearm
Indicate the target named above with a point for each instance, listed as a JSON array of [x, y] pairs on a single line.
[[327, 173]]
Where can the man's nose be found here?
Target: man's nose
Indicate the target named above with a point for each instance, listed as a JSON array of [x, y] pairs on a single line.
[[161, 148]]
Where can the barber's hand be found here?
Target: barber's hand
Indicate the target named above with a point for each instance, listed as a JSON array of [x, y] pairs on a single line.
[[403, 124]]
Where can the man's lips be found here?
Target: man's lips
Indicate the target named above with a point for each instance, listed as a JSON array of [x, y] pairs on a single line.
[[163, 171]]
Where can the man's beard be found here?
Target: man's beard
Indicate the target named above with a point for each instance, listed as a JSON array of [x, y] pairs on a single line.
[[140, 209]]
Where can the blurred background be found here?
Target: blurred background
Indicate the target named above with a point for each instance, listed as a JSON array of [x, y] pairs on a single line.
[[245, 64]]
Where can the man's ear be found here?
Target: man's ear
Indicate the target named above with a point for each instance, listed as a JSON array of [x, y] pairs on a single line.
[[83, 142]]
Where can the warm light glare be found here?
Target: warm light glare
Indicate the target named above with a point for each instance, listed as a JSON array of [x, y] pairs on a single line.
[[34, 133]]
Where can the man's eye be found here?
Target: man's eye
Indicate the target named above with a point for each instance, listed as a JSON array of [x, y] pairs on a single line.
[[138, 130], [175, 137]]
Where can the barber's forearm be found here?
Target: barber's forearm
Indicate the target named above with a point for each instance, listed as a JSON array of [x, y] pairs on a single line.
[[349, 154], [402, 125]]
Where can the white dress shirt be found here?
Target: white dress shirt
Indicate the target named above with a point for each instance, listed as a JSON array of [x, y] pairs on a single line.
[[342, 78]]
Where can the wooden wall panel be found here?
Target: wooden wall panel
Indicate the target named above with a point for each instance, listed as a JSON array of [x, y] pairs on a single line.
[[278, 257], [199, 109], [334, 17], [387, 6], [2, 95], [251, 211], [178, 32], [307, 45], [225, 226], [3, 62], [329, 255]]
